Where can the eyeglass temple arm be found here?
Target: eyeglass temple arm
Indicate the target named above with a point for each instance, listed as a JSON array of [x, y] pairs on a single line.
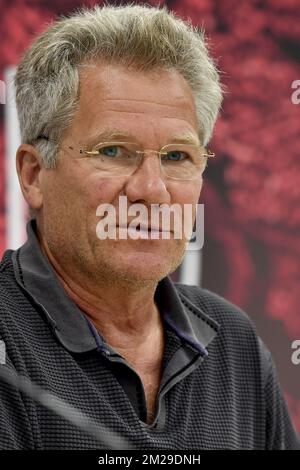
[[209, 154], [42, 136]]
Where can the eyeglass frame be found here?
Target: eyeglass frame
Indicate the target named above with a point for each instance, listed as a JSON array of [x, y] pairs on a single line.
[[207, 155]]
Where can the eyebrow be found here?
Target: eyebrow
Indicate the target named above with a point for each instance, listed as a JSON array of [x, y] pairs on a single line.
[[112, 134]]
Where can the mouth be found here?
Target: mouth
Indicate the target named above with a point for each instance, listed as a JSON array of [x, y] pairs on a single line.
[[144, 228]]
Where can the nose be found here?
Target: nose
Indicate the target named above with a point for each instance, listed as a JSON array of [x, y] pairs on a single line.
[[147, 182]]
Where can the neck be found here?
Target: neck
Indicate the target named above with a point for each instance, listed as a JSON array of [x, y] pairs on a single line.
[[126, 316]]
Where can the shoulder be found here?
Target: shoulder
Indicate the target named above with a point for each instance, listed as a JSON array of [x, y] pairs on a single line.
[[216, 307], [6, 266], [7, 277], [10, 293], [237, 337]]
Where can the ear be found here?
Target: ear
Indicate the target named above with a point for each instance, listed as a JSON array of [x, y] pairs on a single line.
[[29, 166]]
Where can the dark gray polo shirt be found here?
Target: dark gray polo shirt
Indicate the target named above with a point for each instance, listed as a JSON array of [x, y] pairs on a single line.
[[218, 390]]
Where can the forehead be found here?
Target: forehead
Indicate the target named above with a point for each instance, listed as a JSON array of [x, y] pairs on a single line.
[[113, 92], [115, 81]]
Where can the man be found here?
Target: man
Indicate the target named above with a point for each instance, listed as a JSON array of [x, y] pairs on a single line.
[[120, 102]]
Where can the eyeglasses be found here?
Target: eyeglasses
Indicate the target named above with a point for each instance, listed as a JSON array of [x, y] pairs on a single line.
[[177, 161]]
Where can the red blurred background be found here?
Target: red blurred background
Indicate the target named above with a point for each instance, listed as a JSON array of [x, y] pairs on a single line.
[[251, 191]]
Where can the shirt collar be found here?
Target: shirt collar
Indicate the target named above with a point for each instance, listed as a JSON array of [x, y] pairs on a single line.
[[35, 275]]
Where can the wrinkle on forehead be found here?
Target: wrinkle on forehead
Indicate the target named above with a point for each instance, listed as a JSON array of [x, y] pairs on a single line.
[[160, 103]]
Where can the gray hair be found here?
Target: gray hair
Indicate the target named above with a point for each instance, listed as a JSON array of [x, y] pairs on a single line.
[[143, 37]]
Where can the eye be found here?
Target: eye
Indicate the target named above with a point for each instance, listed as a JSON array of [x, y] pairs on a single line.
[[176, 156], [110, 151]]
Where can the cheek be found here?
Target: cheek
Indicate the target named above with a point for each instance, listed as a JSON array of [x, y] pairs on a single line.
[[105, 190], [186, 193], [55, 191]]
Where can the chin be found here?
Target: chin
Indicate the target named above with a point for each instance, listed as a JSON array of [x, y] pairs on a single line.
[[146, 266], [142, 262]]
